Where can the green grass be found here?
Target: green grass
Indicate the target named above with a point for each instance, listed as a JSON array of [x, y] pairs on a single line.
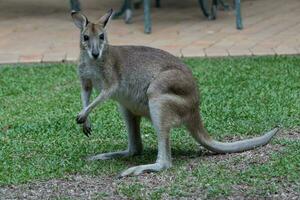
[[39, 138]]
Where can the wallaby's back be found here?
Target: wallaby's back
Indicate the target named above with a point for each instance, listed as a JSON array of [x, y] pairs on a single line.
[[147, 60]]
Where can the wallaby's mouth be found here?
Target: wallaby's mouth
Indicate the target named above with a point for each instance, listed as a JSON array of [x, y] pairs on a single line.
[[95, 55]]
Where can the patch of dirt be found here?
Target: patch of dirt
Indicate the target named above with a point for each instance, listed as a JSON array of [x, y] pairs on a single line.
[[106, 187], [237, 161], [83, 187], [6, 128], [241, 161], [74, 187], [289, 134], [286, 192]]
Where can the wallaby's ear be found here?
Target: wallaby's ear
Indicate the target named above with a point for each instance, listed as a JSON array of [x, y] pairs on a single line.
[[106, 18], [79, 19]]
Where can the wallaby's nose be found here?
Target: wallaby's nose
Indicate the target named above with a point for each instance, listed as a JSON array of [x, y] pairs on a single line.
[[95, 55]]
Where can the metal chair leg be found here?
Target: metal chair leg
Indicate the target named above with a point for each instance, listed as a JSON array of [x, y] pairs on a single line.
[[126, 10], [203, 6], [225, 6], [147, 16], [239, 22], [137, 4], [75, 5], [121, 11], [214, 10], [157, 3], [209, 11]]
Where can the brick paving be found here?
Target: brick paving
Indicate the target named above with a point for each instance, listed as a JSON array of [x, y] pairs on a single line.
[[42, 31]]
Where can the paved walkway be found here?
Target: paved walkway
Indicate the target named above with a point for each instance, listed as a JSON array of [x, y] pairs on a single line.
[[42, 30]]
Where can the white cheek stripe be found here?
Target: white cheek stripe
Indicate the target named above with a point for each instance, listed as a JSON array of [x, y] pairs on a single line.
[[90, 54], [101, 50]]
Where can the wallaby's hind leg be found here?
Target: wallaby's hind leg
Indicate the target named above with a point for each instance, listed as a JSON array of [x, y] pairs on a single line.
[[135, 145], [167, 110], [162, 120]]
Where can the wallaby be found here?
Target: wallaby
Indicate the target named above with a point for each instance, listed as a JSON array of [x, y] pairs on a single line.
[[146, 82]]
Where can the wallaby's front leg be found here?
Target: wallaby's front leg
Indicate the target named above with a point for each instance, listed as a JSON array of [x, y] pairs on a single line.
[[104, 95], [86, 92], [135, 145]]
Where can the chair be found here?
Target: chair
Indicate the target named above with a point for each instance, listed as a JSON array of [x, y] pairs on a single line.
[[208, 7]]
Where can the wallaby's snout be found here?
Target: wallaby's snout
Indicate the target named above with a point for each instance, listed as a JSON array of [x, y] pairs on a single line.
[[93, 39], [95, 55]]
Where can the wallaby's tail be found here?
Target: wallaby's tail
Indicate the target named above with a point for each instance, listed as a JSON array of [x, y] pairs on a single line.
[[201, 136]]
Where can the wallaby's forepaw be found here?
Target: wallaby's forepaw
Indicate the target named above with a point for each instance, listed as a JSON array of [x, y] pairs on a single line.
[[156, 167], [86, 128], [81, 118]]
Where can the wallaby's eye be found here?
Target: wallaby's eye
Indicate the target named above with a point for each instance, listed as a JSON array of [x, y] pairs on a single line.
[[101, 36], [86, 37]]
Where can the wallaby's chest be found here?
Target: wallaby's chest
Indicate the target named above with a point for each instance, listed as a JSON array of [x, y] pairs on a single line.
[[92, 73]]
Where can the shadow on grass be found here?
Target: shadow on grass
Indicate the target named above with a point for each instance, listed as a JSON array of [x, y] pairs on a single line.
[[149, 155]]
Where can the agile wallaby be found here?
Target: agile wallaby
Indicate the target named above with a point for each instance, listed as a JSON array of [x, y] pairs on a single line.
[[146, 82]]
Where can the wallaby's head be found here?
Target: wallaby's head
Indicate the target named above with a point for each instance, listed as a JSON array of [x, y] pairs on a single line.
[[93, 37]]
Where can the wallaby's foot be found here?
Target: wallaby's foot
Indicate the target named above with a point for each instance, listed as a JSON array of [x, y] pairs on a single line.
[[86, 128], [111, 155], [156, 167], [81, 117]]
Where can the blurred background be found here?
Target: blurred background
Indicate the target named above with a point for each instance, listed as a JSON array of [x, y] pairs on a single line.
[[42, 30]]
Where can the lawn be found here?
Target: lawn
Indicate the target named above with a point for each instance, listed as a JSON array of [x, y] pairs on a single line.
[[240, 98]]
